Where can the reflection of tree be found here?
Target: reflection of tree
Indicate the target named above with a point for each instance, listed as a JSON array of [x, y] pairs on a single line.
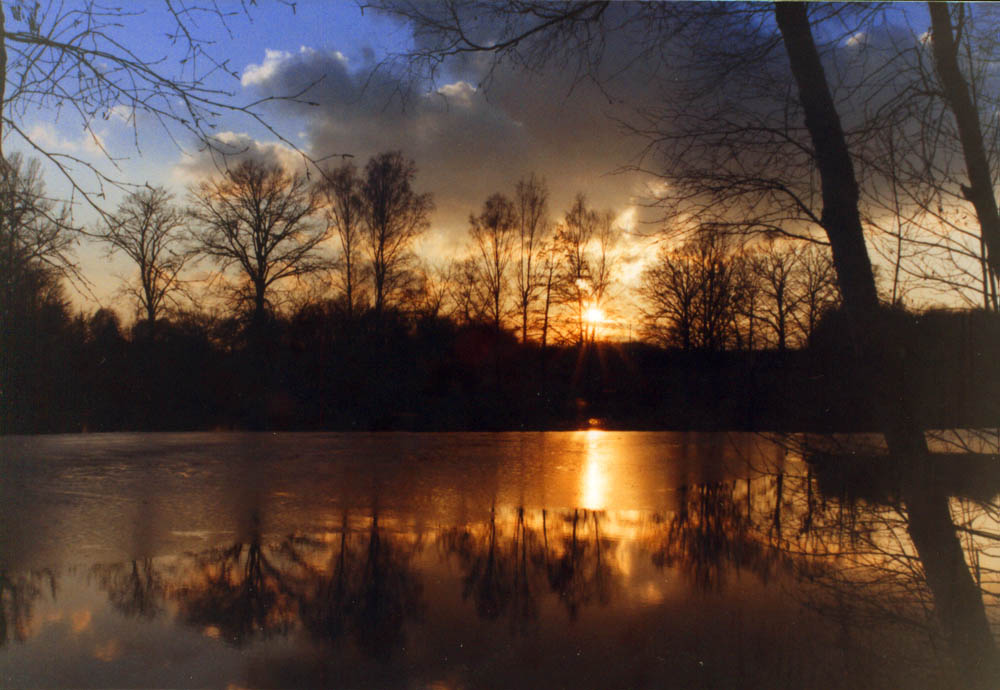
[[136, 589], [239, 591], [712, 532], [879, 547], [582, 572], [17, 596], [367, 587], [505, 562], [387, 594], [496, 574]]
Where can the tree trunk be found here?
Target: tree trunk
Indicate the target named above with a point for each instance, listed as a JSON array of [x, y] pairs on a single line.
[[840, 218], [524, 323], [957, 600], [970, 132], [3, 73]]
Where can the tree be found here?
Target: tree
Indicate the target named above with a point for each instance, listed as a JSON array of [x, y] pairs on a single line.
[[690, 292], [345, 213], [146, 228], [956, 91], [531, 208], [394, 217], [550, 265], [776, 266], [816, 288], [492, 233], [35, 238], [573, 237], [259, 219], [603, 264], [36, 242]]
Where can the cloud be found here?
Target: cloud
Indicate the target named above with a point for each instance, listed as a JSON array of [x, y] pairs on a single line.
[[255, 75], [47, 137], [467, 142], [226, 149]]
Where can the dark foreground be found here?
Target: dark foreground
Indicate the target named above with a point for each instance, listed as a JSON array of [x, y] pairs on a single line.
[[581, 559]]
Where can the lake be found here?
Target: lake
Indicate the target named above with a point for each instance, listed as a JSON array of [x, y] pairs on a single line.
[[557, 559]]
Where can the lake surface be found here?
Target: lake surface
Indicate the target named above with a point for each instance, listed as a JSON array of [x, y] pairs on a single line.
[[576, 559]]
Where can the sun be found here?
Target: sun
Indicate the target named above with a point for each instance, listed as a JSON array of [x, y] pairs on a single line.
[[593, 316]]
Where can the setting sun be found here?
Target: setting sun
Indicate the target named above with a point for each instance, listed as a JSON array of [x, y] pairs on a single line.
[[593, 315]]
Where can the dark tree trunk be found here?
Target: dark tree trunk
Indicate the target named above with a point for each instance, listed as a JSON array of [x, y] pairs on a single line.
[[957, 600], [841, 218], [970, 132]]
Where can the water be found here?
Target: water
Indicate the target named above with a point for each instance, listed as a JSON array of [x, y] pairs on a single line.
[[578, 559]]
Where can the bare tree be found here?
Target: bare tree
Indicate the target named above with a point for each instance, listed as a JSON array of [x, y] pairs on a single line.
[[492, 233], [467, 300], [747, 296], [550, 266], [603, 265], [573, 237], [35, 236], [146, 228], [345, 214], [815, 287], [956, 91], [259, 219], [394, 216], [689, 294], [776, 266], [531, 208]]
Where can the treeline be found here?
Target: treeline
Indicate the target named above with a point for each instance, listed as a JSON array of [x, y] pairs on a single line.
[[322, 369], [513, 336]]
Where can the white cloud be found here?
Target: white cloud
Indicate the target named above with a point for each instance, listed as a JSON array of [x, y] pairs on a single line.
[[276, 60], [46, 136], [857, 40], [460, 92]]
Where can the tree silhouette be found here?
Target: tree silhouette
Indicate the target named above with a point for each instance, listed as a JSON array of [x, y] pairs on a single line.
[[146, 228], [258, 219], [493, 237], [394, 215], [533, 225], [345, 212]]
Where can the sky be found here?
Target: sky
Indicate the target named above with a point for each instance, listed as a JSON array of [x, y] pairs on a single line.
[[467, 142]]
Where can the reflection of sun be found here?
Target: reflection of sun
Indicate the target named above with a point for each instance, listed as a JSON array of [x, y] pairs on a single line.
[[594, 481]]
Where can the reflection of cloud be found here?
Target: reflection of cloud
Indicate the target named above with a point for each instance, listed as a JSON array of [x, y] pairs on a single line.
[[109, 651], [80, 620]]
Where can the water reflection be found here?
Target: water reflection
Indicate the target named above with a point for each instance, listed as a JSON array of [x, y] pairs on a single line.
[[340, 569], [135, 589], [18, 594], [713, 532]]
